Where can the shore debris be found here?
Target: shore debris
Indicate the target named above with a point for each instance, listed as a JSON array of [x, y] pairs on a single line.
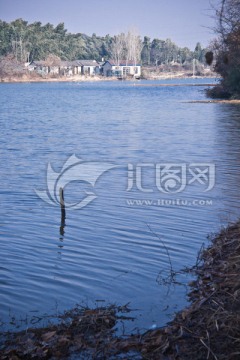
[[210, 327], [81, 330]]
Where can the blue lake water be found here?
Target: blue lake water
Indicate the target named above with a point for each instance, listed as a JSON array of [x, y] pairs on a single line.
[[114, 248]]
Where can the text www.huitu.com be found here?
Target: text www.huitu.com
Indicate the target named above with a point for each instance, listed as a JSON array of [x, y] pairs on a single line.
[[169, 202]]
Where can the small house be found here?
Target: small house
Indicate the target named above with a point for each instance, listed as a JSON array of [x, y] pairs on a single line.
[[69, 68], [66, 68], [122, 69], [89, 67], [43, 68]]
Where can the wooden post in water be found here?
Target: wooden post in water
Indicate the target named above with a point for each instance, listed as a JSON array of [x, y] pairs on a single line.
[[63, 212]]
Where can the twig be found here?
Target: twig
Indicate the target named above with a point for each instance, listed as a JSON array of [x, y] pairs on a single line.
[[165, 247], [209, 350]]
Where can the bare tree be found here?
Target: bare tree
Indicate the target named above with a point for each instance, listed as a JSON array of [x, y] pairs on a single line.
[[227, 16], [19, 44], [127, 47], [9, 66], [117, 48], [53, 60], [133, 45], [226, 48]]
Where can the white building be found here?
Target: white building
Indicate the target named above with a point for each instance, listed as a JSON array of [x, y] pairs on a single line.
[[123, 69], [66, 68], [43, 68], [89, 67]]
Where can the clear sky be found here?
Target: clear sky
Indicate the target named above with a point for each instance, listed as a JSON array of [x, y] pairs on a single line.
[[184, 21]]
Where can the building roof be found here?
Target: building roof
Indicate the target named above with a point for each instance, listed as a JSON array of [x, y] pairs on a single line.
[[123, 63], [38, 63], [75, 63], [88, 62], [43, 63], [67, 63]]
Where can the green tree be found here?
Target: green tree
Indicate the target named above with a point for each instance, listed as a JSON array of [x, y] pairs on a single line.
[[36, 41], [199, 52], [145, 55]]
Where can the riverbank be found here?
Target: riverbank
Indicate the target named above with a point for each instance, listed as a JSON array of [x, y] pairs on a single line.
[[207, 329], [214, 102], [36, 79], [180, 75], [32, 78], [173, 85]]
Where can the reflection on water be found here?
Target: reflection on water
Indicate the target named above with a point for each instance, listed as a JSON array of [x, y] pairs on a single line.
[[106, 250]]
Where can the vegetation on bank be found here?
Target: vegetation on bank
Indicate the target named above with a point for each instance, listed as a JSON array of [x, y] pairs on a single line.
[[227, 50], [35, 41], [207, 329], [22, 42]]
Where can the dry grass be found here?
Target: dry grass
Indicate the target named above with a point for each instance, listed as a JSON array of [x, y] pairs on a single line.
[[34, 77], [210, 327]]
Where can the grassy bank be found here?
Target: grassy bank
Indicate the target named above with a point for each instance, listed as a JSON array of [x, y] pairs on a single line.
[[27, 78], [34, 77], [208, 329]]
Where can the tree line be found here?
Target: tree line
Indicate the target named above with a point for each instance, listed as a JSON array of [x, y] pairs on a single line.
[[226, 49], [36, 41]]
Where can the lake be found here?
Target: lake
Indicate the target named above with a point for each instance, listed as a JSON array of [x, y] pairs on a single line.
[[118, 248]]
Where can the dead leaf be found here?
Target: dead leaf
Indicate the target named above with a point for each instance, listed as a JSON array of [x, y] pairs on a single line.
[[47, 336]]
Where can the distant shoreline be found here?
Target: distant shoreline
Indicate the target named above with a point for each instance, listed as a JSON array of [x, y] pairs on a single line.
[[173, 85], [54, 80], [220, 101], [38, 79]]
